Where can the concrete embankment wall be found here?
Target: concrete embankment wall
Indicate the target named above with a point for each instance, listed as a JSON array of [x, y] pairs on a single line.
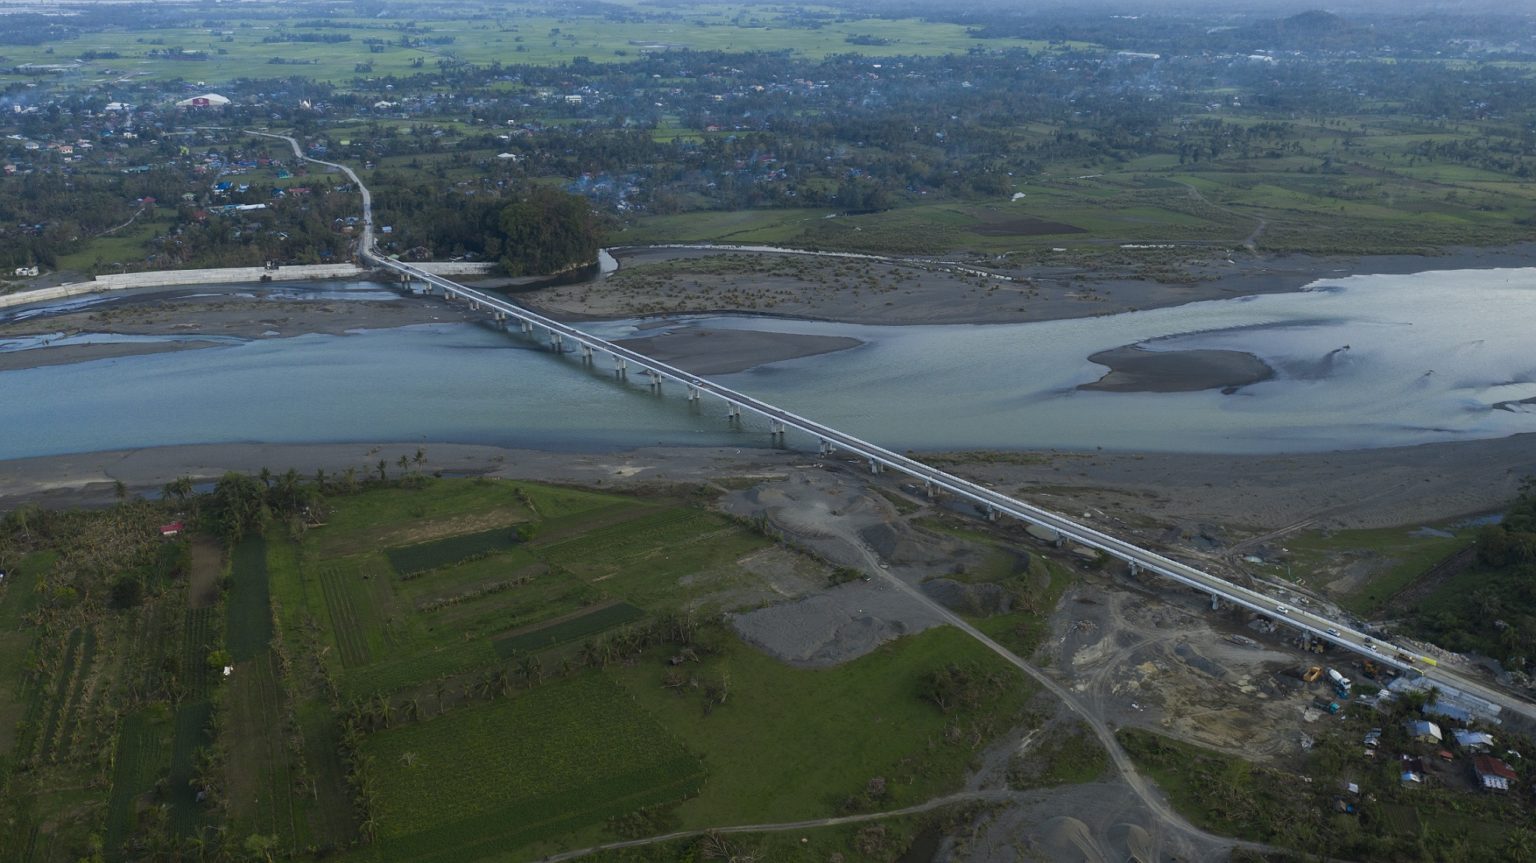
[[165, 278], [224, 276]]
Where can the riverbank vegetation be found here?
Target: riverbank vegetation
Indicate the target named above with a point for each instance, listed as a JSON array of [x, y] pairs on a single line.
[[290, 668]]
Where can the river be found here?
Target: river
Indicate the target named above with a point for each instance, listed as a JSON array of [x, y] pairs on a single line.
[[1360, 362]]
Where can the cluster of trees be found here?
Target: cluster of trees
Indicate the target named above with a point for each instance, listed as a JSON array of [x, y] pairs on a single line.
[[1495, 613], [529, 229]]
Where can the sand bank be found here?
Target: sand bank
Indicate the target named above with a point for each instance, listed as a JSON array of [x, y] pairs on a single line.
[[705, 351], [1137, 370], [659, 281], [1364, 488]]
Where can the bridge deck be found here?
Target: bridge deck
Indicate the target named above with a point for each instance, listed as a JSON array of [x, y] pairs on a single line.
[[1308, 621]]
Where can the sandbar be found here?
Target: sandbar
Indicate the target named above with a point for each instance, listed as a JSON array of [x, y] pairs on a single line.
[[1138, 370]]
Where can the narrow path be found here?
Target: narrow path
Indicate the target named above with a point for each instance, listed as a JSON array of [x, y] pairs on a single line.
[[1250, 242], [115, 228], [1122, 761], [931, 805]]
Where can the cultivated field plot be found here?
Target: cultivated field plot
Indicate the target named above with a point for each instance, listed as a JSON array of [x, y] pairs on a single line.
[[509, 773], [423, 557], [467, 593]]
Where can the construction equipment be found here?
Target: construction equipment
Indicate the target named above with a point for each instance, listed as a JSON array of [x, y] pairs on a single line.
[[1312, 674]]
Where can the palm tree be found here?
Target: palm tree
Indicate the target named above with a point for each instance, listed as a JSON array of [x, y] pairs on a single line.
[[530, 670], [383, 464], [259, 847], [413, 709], [404, 463], [386, 711], [179, 488], [420, 457]]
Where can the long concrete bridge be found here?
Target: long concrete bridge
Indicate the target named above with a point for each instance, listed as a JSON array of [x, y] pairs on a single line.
[[563, 338]]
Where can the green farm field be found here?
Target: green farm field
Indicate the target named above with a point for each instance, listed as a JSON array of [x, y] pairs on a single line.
[[523, 34]]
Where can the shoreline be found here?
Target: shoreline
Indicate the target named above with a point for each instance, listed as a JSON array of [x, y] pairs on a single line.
[[1387, 486], [1347, 489], [798, 286]]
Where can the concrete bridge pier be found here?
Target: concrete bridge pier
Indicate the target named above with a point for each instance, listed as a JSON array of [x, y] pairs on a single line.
[[992, 513], [555, 344], [824, 447], [874, 466], [733, 411], [474, 306], [693, 393], [620, 367], [927, 489], [1134, 567], [776, 430], [525, 326], [586, 353]]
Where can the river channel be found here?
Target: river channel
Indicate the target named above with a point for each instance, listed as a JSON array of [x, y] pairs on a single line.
[[1359, 362]]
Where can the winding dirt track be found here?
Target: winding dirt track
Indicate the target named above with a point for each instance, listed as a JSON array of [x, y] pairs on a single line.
[[1149, 796]]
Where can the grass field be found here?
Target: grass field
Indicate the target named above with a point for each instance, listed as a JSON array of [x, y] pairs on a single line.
[[461, 785], [260, 776], [1395, 558], [198, 642], [18, 596], [143, 752], [248, 628], [522, 34], [499, 738], [191, 734], [426, 556], [823, 752], [1221, 793], [585, 552], [575, 628], [1066, 755]]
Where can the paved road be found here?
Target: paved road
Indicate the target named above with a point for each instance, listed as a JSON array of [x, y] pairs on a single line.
[[365, 240]]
